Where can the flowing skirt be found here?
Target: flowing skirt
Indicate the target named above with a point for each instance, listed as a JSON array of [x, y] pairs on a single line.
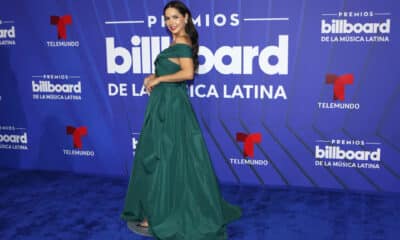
[[173, 183]]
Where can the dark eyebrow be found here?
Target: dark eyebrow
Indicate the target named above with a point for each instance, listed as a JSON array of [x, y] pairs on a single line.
[[174, 15]]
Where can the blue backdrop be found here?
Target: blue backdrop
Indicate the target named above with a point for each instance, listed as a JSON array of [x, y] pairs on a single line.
[[289, 92]]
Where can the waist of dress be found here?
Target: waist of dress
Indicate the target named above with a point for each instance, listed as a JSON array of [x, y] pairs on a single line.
[[172, 84]]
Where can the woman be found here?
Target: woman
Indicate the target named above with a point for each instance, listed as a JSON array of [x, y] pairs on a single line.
[[173, 190]]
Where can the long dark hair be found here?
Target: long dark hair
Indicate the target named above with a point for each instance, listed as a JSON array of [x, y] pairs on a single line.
[[189, 28]]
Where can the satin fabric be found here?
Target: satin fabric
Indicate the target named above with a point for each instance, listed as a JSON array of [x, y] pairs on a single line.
[[173, 183]]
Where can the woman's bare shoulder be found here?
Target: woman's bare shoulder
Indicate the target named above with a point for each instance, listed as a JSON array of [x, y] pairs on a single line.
[[183, 40]]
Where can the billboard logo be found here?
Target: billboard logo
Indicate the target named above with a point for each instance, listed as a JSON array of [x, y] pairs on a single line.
[[335, 152], [347, 153], [249, 141], [52, 87], [61, 22], [7, 32], [77, 134], [139, 58], [48, 87], [339, 83], [355, 26], [14, 138], [342, 26]]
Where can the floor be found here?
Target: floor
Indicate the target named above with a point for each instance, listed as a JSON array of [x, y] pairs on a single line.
[[58, 205]]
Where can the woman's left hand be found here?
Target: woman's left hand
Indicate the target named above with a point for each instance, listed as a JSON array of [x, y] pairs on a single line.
[[151, 83]]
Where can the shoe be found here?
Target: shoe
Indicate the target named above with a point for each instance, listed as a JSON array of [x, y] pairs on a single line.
[[142, 225], [139, 229]]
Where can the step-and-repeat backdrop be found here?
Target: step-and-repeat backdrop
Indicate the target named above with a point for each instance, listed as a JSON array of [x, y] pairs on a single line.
[[289, 92]]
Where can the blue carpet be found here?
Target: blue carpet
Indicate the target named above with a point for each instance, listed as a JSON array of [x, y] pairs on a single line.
[[58, 205]]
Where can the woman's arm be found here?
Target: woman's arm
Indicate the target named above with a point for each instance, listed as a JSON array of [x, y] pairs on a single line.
[[186, 72]]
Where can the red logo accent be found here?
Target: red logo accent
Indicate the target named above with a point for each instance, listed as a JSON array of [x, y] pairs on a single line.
[[61, 23], [249, 141], [77, 134], [338, 84]]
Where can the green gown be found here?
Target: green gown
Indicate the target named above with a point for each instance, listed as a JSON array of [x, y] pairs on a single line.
[[173, 183]]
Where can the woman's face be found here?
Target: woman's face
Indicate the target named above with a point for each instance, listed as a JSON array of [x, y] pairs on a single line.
[[175, 21]]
